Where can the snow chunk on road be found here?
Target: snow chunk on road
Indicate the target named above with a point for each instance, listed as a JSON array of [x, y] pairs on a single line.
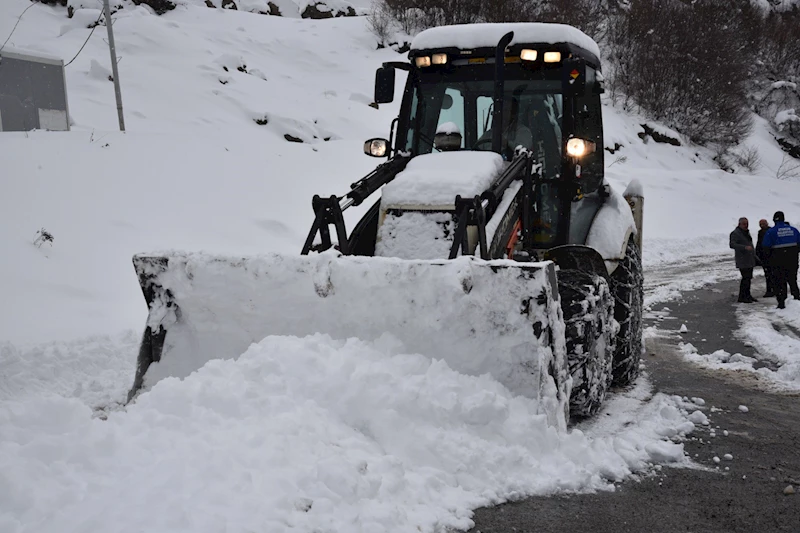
[[698, 417], [308, 434], [743, 408]]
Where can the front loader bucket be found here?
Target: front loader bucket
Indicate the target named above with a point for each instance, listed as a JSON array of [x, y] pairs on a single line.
[[496, 317]]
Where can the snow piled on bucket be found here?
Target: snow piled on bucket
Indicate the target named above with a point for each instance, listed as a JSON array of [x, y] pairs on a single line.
[[303, 434], [495, 317]]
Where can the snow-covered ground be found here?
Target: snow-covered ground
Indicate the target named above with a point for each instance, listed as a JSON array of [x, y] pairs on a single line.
[[775, 336], [299, 433]]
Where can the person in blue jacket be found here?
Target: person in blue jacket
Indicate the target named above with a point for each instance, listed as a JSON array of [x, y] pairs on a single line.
[[782, 246]]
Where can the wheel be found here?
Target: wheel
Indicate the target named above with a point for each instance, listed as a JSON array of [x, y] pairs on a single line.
[[627, 283], [588, 308]]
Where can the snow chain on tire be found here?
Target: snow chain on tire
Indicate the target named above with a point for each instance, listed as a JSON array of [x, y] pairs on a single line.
[[588, 307], [627, 283]]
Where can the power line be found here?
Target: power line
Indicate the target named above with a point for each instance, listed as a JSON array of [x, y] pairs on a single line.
[[15, 26], [96, 24]]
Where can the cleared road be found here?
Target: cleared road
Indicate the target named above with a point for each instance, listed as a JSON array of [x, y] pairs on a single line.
[[764, 442]]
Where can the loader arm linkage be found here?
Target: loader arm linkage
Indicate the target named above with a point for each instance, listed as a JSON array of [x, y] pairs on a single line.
[[469, 211], [480, 209], [329, 211]]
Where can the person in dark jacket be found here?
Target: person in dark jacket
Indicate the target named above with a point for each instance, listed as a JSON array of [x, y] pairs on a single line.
[[742, 242], [782, 243], [761, 257]]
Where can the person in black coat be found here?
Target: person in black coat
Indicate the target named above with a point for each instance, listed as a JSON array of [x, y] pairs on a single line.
[[761, 257], [742, 242]]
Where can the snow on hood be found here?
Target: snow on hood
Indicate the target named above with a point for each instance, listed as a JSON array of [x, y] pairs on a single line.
[[485, 35], [436, 179]]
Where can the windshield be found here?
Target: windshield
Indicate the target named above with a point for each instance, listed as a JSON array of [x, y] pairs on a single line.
[[453, 111]]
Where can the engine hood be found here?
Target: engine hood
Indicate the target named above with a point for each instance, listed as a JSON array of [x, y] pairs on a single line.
[[432, 181]]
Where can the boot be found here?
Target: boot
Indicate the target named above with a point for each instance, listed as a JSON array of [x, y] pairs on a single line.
[[781, 305], [769, 294]]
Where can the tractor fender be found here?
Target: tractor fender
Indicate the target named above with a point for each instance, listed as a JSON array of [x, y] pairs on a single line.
[[611, 229]]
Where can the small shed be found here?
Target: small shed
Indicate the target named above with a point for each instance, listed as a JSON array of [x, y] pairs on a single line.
[[33, 92]]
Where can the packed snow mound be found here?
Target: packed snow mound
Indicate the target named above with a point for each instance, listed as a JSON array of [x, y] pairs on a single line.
[[307, 434]]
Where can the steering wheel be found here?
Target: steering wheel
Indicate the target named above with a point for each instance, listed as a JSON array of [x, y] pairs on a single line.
[[487, 141]]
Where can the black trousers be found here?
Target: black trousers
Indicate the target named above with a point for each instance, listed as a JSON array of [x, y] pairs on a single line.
[[744, 285], [768, 279], [791, 280], [780, 277]]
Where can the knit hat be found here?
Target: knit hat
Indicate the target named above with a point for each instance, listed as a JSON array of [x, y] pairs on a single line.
[[778, 216]]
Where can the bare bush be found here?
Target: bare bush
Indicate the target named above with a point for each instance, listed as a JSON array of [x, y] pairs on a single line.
[[749, 159], [380, 22], [683, 65], [789, 169], [511, 10], [589, 16]]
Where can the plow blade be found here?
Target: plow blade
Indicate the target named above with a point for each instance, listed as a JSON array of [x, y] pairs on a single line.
[[496, 317]]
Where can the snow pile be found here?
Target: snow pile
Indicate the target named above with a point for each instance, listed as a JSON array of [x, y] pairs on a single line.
[[435, 179], [307, 434], [465, 312]]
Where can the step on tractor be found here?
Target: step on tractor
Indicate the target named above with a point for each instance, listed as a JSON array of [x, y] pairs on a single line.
[[492, 241]]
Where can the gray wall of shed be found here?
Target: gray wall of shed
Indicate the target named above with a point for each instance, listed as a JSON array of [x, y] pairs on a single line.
[[25, 88]]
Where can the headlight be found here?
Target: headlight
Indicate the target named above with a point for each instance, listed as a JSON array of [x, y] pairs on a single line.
[[552, 57], [439, 59], [528, 55], [423, 61], [579, 147]]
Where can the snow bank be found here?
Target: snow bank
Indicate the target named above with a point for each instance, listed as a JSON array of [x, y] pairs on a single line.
[[309, 434], [468, 36], [770, 332], [435, 179]]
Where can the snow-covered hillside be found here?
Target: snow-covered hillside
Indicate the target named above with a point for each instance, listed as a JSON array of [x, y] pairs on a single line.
[[234, 121]]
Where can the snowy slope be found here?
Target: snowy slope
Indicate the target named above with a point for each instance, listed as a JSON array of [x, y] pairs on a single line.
[[307, 433]]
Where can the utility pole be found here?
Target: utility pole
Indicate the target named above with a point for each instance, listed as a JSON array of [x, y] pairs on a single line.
[[114, 71]]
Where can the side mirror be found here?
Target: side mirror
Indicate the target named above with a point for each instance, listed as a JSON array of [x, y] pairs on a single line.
[[384, 85], [574, 77], [376, 147]]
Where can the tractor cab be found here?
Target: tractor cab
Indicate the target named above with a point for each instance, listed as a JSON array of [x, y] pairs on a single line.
[[500, 87]]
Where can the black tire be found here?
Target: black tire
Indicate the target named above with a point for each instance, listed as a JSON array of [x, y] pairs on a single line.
[[627, 282], [588, 307]]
